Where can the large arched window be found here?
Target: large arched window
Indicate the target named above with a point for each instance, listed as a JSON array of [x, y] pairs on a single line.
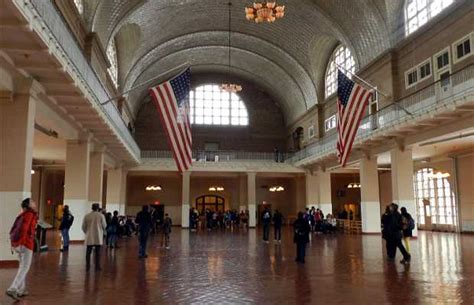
[[212, 106], [435, 199], [341, 56], [112, 57], [79, 6], [418, 12]]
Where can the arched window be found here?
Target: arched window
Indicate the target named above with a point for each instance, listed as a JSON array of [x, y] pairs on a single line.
[[211, 106], [418, 12], [79, 6], [112, 57], [435, 199], [341, 56]]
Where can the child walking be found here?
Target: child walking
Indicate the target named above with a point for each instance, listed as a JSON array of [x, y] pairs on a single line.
[[166, 231]]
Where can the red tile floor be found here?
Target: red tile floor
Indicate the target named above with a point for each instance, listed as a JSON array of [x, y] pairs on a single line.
[[238, 268]]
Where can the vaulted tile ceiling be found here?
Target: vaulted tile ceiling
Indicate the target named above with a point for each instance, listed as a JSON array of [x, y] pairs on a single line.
[[287, 58]]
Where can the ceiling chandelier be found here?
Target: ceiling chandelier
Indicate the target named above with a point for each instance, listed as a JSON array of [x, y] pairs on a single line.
[[266, 11], [353, 185], [438, 175], [216, 188], [278, 188], [229, 87], [153, 188]]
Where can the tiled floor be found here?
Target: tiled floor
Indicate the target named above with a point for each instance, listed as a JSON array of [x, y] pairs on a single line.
[[238, 268]]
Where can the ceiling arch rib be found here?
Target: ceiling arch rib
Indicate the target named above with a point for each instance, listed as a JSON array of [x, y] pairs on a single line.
[[292, 98], [240, 41]]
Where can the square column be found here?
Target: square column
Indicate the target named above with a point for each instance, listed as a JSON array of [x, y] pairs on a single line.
[[242, 193], [76, 184], [251, 199], [369, 194], [325, 199], [312, 188], [185, 199], [96, 177], [116, 190], [402, 181], [17, 119]]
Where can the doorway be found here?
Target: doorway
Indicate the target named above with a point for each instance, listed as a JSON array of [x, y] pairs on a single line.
[[211, 202]]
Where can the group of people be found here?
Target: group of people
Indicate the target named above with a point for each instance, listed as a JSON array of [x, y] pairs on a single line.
[[213, 219], [318, 223]]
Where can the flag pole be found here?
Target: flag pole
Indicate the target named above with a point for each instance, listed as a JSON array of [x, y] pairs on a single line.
[[182, 67], [374, 88]]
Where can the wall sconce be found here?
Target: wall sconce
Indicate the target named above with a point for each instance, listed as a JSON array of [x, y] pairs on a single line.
[[32, 171], [278, 188], [216, 188], [153, 188]]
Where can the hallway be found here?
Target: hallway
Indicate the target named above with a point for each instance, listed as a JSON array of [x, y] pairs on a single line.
[[238, 268]]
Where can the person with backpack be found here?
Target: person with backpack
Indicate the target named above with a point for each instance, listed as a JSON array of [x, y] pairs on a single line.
[[22, 238], [392, 224], [301, 237], [408, 225], [65, 226], [266, 219], [167, 223], [93, 226]]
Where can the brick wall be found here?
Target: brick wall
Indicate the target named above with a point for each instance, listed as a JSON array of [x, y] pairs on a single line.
[[266, 128]]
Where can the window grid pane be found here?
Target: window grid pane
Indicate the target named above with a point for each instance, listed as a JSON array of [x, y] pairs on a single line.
[[419, 12], [342, 56], [211, 106]]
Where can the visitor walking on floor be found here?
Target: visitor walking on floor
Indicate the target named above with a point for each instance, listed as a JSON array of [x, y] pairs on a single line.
[[65, 226], [277, 223], [144, 222], [266, 219], [301, 237], [112, 231], [93, 226], [22, 236], [392, 233], [408, 225], [167, 223]]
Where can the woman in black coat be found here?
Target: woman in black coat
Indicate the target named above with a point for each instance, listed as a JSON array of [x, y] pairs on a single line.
[[301, 237]]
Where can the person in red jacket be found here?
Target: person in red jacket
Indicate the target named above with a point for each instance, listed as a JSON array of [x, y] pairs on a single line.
[[22, 237]]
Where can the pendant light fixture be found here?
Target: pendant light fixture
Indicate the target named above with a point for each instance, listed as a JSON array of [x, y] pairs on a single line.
[[230, 87]]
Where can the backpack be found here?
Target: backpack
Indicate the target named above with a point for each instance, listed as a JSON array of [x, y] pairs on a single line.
[[411, 224], [15, 231]]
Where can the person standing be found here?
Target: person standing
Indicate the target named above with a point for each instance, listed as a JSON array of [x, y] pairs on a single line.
[[277, 223], [393, 234], [167, 223], [408, 225], [266, 219], [301, 237], [93, 226], [112, 230], [65, 226], [22, 239], [144, 222]]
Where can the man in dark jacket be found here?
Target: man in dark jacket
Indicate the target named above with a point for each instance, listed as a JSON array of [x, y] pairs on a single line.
[[301, 237], [266, 220], [65, 226], [392, 232], [144, 222], [277, 222]]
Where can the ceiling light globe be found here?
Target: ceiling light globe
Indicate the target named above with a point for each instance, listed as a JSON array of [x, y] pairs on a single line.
[[257, 6]]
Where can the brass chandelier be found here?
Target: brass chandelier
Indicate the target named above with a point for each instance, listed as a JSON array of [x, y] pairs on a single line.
[[267, 11], [229, 87]]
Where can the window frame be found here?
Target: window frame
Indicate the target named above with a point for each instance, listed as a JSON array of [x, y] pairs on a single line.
[[113, 78], [440, 53], [79, 5], [410, 71], [311, 132], [469, 37], [430, 14], [332, 118], [423, 63], [329, 67]]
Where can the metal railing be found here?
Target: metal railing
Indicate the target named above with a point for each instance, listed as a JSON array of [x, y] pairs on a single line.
[[219, 156], [437, 94], [58, 29]]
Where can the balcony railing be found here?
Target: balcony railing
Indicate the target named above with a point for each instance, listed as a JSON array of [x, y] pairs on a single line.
[[220, 156], [423, 101], [57, 28]]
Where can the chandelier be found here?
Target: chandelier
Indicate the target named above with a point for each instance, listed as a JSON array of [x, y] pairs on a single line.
[[229, 87], [353, 185], [216, 188], [277, 188], [267, 11]]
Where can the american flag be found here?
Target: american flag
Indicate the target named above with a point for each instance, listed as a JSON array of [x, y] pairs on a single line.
[[171, 101], [352, 100]]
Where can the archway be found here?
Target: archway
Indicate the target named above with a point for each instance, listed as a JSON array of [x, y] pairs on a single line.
[[211, 202]]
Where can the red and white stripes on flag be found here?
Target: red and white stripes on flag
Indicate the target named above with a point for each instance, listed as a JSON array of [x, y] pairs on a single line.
[[170, 99], [352, 100]]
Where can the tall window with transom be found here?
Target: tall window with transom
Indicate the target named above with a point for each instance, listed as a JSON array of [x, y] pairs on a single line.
[[341, 57]]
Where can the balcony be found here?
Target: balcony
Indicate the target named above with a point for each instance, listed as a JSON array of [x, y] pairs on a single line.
[[443, 96]]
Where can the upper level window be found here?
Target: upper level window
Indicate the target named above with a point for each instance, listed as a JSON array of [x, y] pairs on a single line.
[[462, 48], [79, 6], [342, 56], [418, 12], [330, 123], [211, 106], [112, 57]]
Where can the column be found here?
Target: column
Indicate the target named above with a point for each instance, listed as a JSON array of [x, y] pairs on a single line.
[[96, 177], [369, 194], [325, 199], [76, 184], [17, 119], [402, 181], [251, 199], [116, 190], [185, 199], [242, 193], [311, 191]]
